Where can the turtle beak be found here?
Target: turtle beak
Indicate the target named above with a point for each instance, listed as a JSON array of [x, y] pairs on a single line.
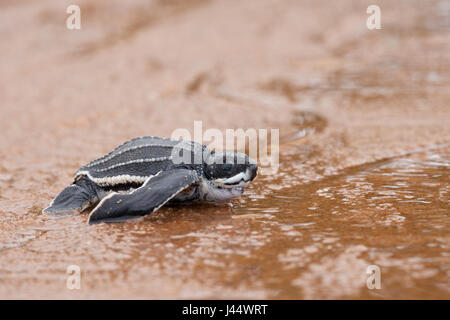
[[243, 178]]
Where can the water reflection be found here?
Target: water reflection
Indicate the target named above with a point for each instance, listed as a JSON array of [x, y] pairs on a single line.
[[312, 240]]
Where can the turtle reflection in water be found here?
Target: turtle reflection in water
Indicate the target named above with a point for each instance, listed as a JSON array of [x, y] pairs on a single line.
[[143, 174]]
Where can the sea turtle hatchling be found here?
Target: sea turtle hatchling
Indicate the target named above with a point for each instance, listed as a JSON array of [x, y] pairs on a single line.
[[143, 174]]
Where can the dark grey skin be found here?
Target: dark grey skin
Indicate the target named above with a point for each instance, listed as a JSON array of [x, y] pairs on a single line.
[[143, 174]]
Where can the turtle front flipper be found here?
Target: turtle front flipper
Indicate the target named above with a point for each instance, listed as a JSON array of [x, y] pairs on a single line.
[[153, 194], [75, 198]]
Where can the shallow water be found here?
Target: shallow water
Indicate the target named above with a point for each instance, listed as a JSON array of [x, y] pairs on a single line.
[[312, 240]]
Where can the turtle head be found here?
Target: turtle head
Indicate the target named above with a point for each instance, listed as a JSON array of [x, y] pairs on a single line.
[[227, 174]]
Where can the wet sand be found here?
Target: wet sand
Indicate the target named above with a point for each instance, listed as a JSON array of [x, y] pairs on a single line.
[[368, 184]]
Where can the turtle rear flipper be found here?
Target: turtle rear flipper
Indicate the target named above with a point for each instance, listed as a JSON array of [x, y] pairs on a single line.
[[154, 193], [74, 199]]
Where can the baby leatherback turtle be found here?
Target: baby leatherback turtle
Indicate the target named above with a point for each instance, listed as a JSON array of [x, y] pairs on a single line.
[[143, 174]]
